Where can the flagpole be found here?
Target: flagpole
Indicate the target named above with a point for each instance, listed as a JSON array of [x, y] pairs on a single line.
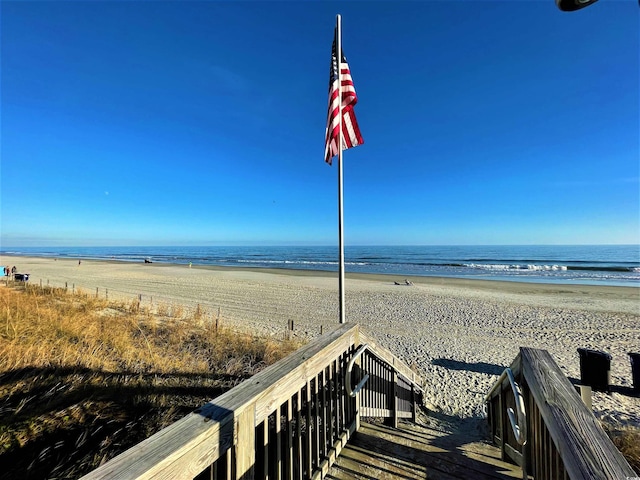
[[340, 193]]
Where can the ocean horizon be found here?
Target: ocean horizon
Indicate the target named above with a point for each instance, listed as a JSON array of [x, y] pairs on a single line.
[[617, 265]]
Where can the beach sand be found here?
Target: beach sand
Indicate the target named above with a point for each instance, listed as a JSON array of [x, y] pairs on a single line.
[[459, 334]]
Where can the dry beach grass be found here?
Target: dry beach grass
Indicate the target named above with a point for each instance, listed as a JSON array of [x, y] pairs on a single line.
[[83, 378], [459, 334]]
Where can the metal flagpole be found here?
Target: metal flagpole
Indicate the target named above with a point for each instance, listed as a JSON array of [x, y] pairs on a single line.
[[340, 197]]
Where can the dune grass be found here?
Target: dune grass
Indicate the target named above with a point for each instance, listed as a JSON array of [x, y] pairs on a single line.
[[83, 379], [627, 440]]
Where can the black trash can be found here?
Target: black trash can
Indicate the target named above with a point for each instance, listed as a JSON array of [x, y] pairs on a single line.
[[635, 370], [595, 369]]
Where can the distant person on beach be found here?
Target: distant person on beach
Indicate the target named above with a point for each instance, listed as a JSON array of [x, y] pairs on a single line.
[[189, 264], [14, 270], [79, 262]]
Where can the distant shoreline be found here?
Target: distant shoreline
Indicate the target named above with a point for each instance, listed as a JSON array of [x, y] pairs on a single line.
[[505, 286]]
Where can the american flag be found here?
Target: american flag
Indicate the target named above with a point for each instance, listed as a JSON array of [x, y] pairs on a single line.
[[351, 136]]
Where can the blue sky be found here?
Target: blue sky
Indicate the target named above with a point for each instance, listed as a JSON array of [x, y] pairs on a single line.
[[170, 123]]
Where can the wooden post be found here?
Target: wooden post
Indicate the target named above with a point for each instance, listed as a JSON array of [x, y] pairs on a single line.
[[309, 434], [278, 435], [66, 286], [329, 416], [289, 328], [414, 404], [106, 293], [358, 369], [297, 447], [502, 416], [393, 391], [288, 446], [323, 413], [333, 372], [73, 288], [96, 292], [265, 447], [525, 448], [245, 447], [229, 462], [585, 395]]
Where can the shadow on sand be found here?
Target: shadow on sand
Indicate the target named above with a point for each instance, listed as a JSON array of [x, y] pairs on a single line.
[[477, 367]]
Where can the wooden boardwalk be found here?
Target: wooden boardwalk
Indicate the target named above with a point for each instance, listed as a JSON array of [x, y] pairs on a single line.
[[379, 452], [256, 429]]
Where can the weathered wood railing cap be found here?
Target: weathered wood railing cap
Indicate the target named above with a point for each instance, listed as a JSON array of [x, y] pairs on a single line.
[[585, 449], [188, 446]]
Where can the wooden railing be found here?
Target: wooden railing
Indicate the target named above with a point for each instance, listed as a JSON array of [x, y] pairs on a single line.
[[392, 390], [563, 438], [289, 421]]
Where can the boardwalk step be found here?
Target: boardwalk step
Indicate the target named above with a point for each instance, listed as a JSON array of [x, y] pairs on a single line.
[[379, 452]]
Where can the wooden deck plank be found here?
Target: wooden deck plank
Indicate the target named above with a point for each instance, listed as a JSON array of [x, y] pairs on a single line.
[[413, 451]]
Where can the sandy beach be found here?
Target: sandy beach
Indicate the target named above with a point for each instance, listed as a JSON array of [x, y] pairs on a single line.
[[460, 334]]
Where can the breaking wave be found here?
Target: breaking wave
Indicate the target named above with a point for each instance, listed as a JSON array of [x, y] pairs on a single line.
[[544, 268]]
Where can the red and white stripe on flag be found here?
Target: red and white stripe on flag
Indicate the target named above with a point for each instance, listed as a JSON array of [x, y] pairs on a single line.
[[351, 136]]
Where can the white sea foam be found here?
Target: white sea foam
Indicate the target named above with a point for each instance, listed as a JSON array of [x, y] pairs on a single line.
[[547, 267], [500, 266]]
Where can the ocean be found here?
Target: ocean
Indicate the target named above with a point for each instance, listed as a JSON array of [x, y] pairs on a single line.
[[580, 264]]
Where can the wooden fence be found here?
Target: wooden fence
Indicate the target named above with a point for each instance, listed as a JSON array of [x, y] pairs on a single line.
[[289, 421], [563, 438]]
